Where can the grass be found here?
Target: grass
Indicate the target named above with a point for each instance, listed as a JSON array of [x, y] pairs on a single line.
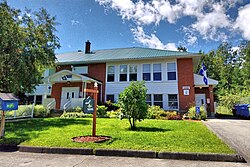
[[158, 135]]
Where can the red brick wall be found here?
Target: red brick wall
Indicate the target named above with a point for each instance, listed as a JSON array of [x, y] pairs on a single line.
[[64, 67], [98, 71], [57, 91], [185, 78]]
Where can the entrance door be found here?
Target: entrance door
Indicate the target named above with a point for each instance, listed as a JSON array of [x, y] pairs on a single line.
[[200, 100], [69, 93]]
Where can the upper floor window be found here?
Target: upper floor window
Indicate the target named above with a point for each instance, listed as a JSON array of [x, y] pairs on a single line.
[[157, 72], [123, 72], [132, 72], [111, 74], [80, 70], [146, 72], [173, 101], [171, 71]]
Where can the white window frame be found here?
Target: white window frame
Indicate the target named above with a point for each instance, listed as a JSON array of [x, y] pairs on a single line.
[[127, 78], [171, 71], [152, 79], [110, 73], [150, 72], [158, 101], [128, 71], [169, 107]]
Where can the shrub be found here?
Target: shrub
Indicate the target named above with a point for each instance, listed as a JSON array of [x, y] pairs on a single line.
[[40, 111], [192, 113], [223, 110], [101, 111], [133, 102], [115, 114], [154, 112], [75, 115], [111, 106]]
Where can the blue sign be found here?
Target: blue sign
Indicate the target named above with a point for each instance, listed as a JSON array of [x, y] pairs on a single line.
[[88, 105], [197, 110], [8, 105]]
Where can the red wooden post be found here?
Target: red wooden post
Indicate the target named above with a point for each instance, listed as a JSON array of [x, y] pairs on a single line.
[[95, 108]]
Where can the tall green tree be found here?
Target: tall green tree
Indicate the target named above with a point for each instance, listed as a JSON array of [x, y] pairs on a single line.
[[27, 45], [133, 102]]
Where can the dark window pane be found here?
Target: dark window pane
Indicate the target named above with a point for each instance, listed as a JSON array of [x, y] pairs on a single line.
[[123, 77], [157, 76], [73, 95], [157, 97], [148, 97], [173, 105], [148, 102], [132, 77], [171, 75], [158, 104], [111, 98], [39, 99], [111, 78], [172, 97], [146, 77]]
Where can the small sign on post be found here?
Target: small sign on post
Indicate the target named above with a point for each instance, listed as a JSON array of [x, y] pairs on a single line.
[[8, 102], [197, 110], [88, 105]]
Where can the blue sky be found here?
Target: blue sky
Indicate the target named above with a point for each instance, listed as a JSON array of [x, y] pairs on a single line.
[[163, 24]]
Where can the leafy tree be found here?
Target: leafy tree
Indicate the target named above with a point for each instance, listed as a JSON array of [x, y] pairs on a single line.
[[27, 45], [182, 48], [133, 102]]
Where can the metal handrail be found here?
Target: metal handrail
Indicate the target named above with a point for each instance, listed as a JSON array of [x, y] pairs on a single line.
[[51, 105]]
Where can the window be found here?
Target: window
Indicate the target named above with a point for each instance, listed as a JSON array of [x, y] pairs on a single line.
[[158, 101], [123, 72], [132, 72], [80, 69], [146, 72], [148, 99], [111, 98], [172, 101], [171, 67], [111, 74], [157, 72]]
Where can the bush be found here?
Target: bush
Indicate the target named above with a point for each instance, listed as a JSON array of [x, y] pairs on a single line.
[[224, 110], [192, 113], [40, 111], [111, 106], [101, 111], [75, 115], [155, 112], [115, 114]]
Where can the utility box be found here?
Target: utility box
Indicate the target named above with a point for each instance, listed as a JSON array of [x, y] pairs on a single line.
[[8, 102]]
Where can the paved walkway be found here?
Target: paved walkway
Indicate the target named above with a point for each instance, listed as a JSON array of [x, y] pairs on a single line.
[[234, 132], [14, 159]]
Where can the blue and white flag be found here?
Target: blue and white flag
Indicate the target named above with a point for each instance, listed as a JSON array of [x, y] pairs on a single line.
[[203, 72]]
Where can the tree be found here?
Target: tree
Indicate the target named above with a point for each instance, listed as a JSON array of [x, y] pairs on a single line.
[[27, 45], [133, 102], [182, 48]]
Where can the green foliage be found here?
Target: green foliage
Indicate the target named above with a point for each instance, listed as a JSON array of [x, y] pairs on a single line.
[[230, 68], [192, 113], [101, 111], [77, 109], [155, 112], [115, 114], [23, 110], [222, 110], [75, 115], [133, 102], [111, 106], [28, 42], [40, 111]]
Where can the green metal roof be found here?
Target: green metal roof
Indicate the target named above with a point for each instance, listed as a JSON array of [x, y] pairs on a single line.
[[121, 54]]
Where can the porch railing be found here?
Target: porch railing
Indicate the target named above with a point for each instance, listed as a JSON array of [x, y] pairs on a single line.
[[51, 105], [67, 106]]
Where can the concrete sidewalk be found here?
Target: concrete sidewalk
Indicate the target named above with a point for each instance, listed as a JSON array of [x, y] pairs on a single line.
[[13, 159], [235, 132]]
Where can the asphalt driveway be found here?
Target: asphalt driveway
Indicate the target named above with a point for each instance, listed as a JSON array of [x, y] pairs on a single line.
[[234, 132]]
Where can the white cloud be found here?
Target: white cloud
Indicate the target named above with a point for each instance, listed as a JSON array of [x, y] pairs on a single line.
[[151, 41], [74, 22], [211, 19], [243, 20]]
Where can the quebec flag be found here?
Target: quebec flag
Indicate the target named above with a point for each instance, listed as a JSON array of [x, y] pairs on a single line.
[[203, 72]]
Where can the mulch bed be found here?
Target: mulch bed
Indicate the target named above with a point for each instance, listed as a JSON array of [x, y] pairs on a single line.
[[96, 139]]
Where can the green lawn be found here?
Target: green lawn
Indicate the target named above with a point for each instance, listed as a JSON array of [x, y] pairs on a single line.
[[158, 135]]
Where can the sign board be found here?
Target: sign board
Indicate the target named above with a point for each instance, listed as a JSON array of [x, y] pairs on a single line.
[[186, 92], [197, 110], [8, 102], [186, 87], [88, 105]]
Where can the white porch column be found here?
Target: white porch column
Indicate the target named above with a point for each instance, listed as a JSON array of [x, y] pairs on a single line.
[[85, 87]]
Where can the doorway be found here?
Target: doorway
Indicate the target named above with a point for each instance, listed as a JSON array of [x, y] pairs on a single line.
[[69, 93]]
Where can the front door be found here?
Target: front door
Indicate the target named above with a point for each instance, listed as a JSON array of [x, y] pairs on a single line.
[[69, 93], [200, 100]]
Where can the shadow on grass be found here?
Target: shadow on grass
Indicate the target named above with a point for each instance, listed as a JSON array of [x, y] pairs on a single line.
[[17, 132], [150, 129]]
